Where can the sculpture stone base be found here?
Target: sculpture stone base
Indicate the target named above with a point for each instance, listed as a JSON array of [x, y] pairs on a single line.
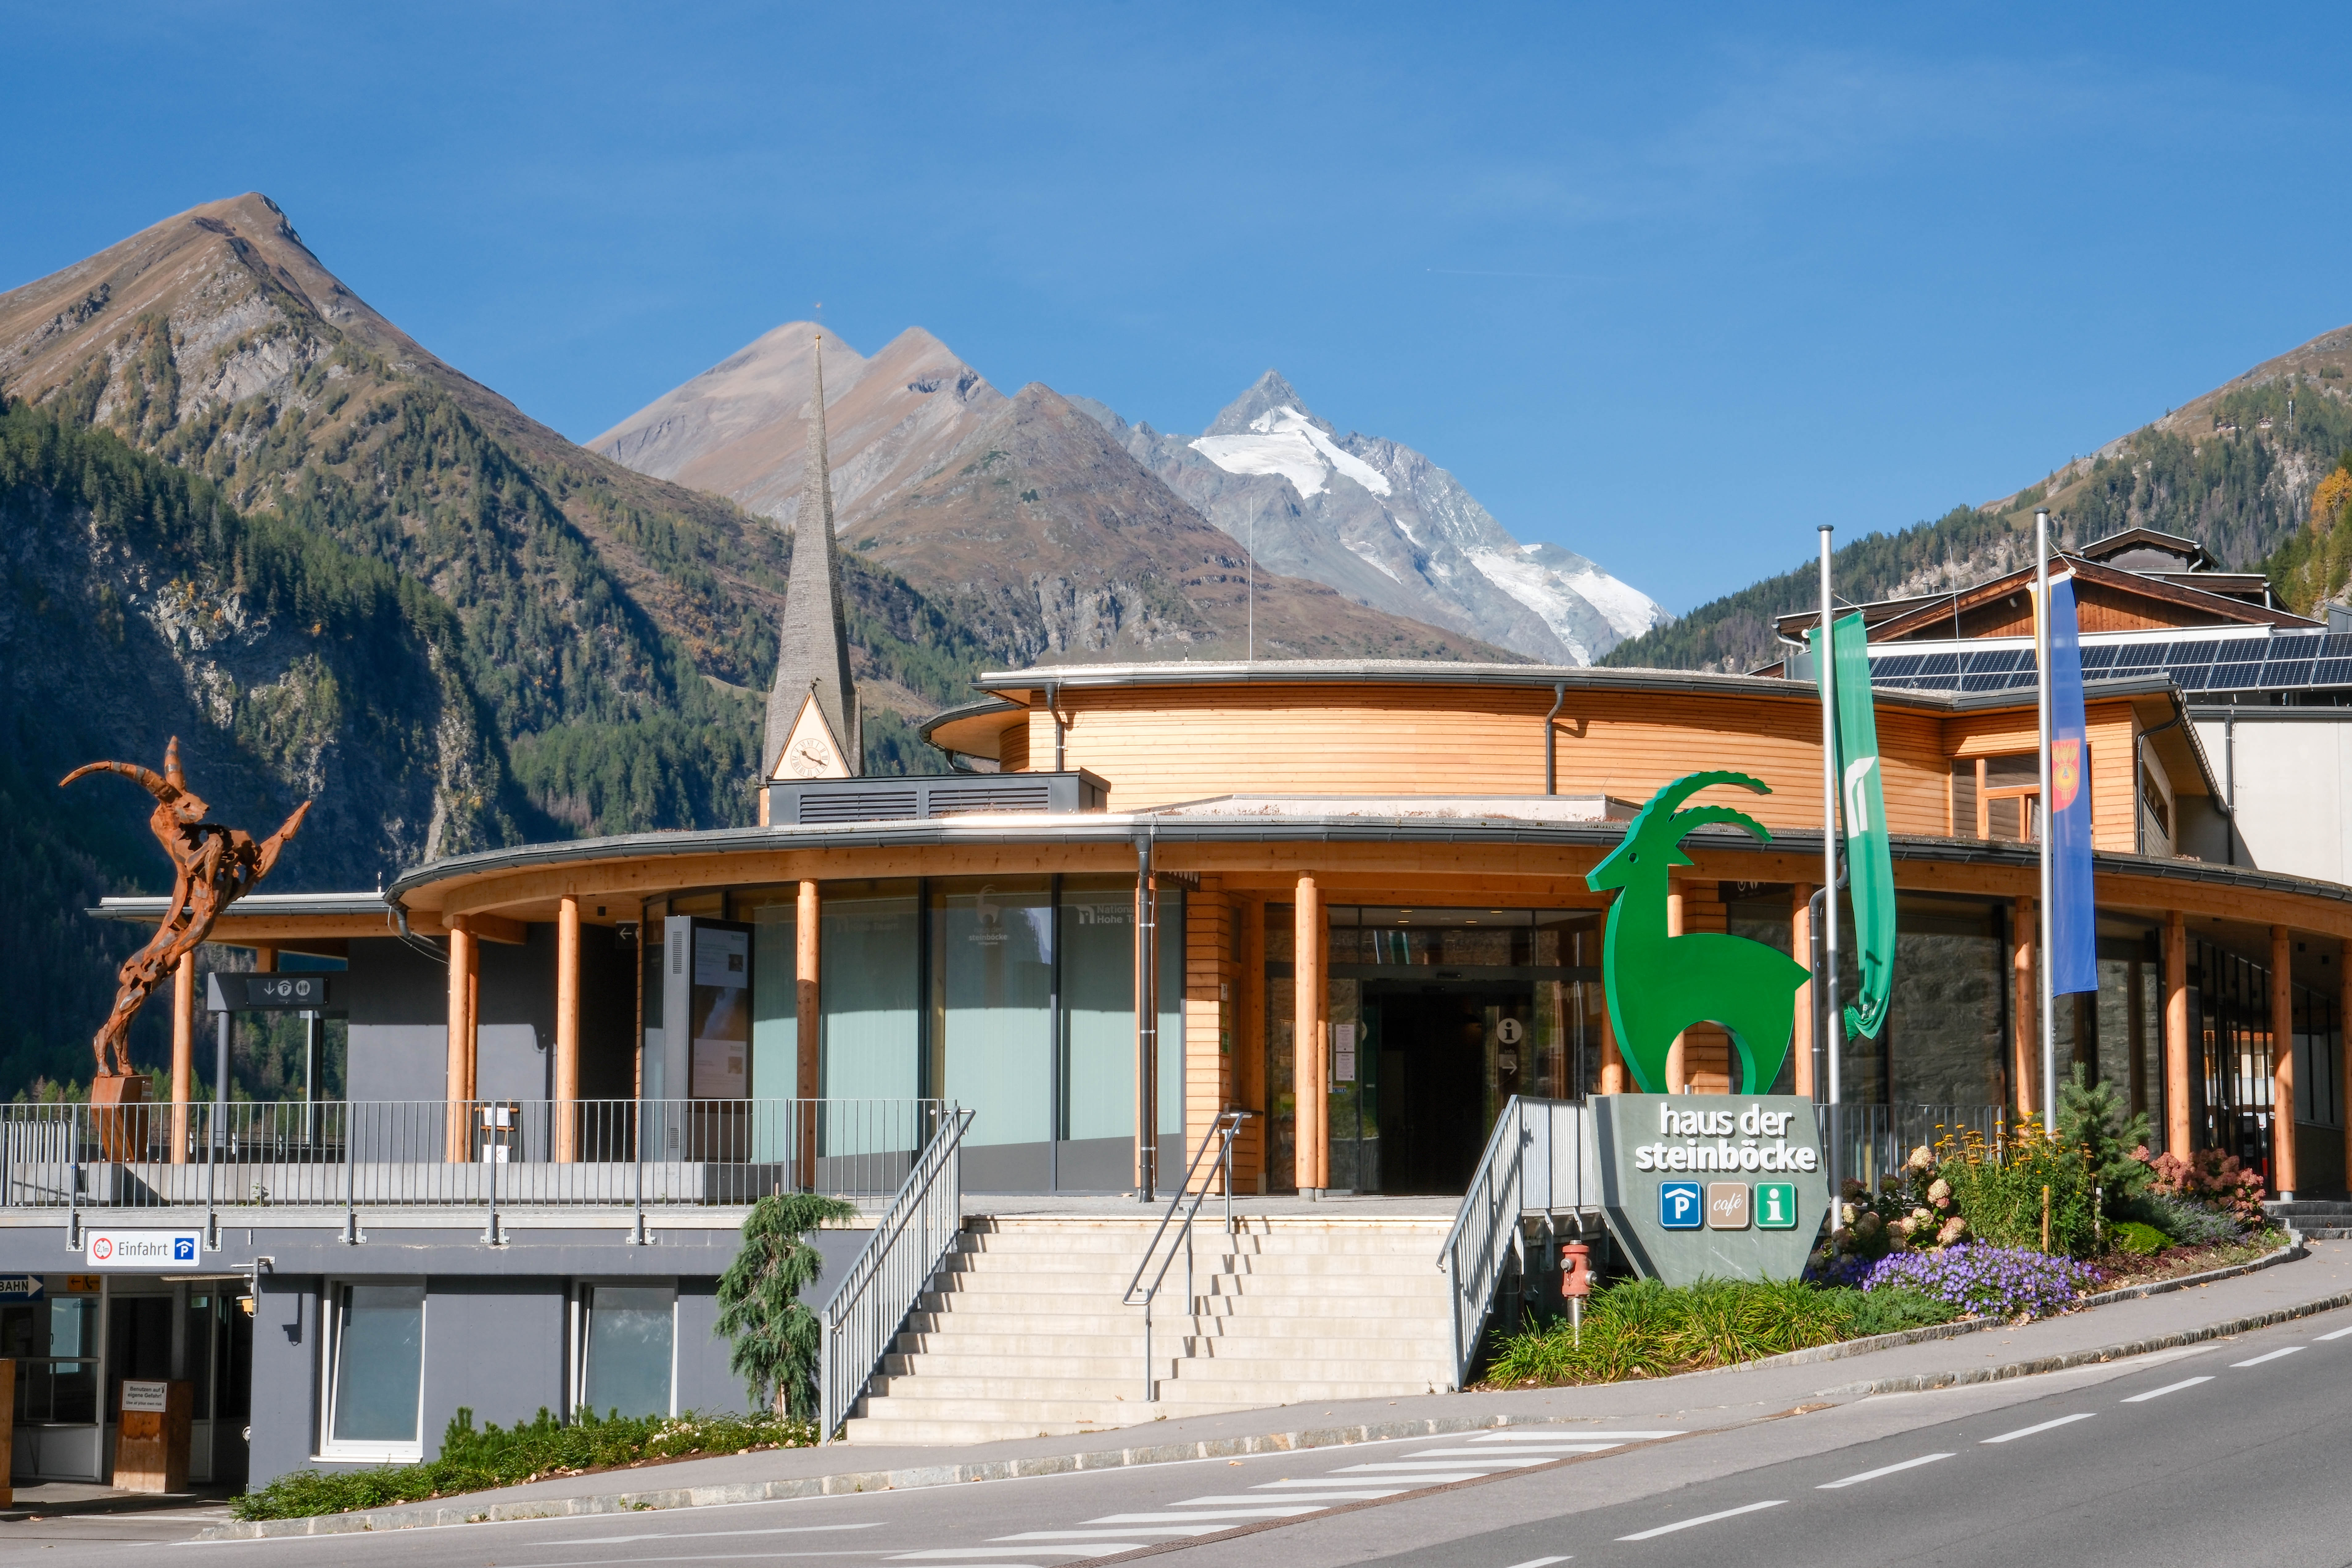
[[119, 1115]]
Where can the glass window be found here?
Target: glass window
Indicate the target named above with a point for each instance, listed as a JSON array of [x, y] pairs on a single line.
[[991, 1044], [867, 986], [1097, 1044], [1171, 988], [629, 1363], [773, 915], [379, 1352]]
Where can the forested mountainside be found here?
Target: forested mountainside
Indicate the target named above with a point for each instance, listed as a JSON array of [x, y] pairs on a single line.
[[2236, 470]]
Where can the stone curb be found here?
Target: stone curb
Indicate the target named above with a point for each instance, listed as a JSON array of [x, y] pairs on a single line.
[[412, 1516], [2040, 1364], [422, 1515], [1901, 1337]]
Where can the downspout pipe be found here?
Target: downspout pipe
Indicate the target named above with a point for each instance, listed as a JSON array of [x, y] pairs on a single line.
[[1552, 738], [1147, 1025], [1054, 711]]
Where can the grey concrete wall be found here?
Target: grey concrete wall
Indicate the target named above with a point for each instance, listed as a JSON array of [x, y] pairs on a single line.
[[285, 1375], [398, 1000], [2292, 771], [704, 1384], [495, 1346]]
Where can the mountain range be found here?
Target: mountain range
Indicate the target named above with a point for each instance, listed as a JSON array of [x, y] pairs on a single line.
[[1370, 519], [241, 506], [2237, 468]]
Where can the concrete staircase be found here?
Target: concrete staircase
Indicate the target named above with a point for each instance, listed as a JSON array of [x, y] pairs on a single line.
[[1023, 1334], [2318, 1220]]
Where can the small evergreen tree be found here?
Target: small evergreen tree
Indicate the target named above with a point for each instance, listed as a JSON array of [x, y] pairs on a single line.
[[2090, 1117], [775, 1336]]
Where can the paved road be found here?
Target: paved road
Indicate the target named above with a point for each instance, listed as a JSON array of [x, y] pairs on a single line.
[[2229, 1451]]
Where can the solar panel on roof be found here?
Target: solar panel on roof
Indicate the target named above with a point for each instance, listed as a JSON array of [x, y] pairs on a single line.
[[2099, 657], [2194, 678], [2279, 672], [1943, 664], [2235, 677], [2335, 645], [1895, 668], [2331, 672]]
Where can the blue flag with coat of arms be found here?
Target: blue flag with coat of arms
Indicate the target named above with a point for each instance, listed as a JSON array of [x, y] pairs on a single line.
[[2074, 918]]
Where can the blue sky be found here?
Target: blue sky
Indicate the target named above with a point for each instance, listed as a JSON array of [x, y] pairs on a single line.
[[1670, 286]]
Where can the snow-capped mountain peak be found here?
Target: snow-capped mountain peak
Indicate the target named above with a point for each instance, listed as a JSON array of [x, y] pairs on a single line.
[[1402, 534], [1288, 442]]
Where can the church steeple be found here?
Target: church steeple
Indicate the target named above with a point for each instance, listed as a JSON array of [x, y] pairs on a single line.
[[813, 722]]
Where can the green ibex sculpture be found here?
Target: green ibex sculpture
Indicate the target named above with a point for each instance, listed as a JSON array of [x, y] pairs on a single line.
[[1658, 984]]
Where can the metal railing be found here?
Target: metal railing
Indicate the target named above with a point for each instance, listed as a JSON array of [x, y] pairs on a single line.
[[888, 1276], [1486, 1234], [1867, 1141], [363, 1154], [1186, 1197]]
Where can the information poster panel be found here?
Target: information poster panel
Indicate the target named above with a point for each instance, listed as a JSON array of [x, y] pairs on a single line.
[[1728, 1186], [723, 1012]]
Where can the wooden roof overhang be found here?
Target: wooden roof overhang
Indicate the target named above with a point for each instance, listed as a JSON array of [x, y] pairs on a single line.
[[1541, 864], [1931, 616]]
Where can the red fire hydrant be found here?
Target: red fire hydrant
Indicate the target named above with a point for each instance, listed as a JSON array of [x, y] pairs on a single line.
[[1576, 1283]]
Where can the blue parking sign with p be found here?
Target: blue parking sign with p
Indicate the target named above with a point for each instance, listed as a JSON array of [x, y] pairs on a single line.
[[1681, 1206], [183, 1249]]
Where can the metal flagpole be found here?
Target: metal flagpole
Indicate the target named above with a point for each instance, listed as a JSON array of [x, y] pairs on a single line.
[[1828, 986], [2041, 834]]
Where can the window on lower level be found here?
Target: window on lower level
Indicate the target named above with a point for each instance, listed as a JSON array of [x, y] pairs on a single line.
[[376, 1372], [628, 1364]]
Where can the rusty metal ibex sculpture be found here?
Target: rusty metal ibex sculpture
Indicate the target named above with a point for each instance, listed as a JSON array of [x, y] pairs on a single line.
[[215, 866]]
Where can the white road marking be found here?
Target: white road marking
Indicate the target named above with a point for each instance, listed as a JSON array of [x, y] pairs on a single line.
[[1498, 1453], [1572, 1437], [2291, 1350], [1279, 1512], [1099, 1535], [1539, 1562], [1703, 1518], [2046, 1426], [1510, 1461], [1882, 1470], [2167, 1388], [703, 1557], [2338, 1335], [959, 1553], [710, 1534], [1436, 1477], [1374, 1494], [1439, 1480]]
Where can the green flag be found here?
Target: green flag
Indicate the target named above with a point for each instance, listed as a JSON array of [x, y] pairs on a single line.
[[1870, 858]]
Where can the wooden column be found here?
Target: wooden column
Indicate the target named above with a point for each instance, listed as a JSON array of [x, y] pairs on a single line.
[[2024, 1015], [565, 1134], [1800, 943], [2178, 1137], [1312, 1161], [1677, 1054], [1209, 987], [458, 1148], [808, 1024], [265, 960], [1249, 1042], [1613, 1058], [2343, 1049], [184, 1052], [2283, 1172]]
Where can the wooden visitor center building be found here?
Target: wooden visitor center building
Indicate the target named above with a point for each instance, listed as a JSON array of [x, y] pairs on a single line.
[[1346, 898]]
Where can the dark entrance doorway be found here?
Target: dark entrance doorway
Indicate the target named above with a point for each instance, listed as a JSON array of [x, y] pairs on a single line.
[[1440, 1061]]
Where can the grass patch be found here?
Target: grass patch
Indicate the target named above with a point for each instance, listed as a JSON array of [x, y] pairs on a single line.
[[1643, 1329], [474, 1460]]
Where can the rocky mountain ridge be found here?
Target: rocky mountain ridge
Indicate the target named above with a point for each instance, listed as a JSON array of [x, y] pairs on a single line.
[[2234, 467]]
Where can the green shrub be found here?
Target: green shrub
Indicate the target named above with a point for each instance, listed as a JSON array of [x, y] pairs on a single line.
[[474, 1460], [1893, 1309], [775, 1336], [2090, 1117], [2003, 1198], [2139, 1240], [2185, 1220], [1643, 1329]]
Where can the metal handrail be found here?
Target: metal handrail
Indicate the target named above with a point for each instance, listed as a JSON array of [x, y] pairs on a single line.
[[1486, 1233], [889, 1274], [1221, 1132]]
